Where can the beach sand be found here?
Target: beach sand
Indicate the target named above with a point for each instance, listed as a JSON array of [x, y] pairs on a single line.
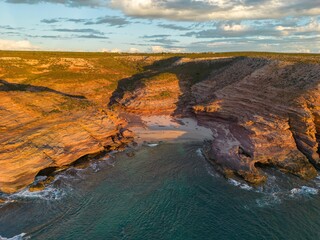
[[153, 129]]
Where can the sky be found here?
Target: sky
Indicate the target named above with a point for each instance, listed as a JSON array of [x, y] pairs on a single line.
[[161, 25]]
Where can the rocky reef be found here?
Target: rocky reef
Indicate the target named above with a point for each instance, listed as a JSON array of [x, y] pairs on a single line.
[[263, 110]]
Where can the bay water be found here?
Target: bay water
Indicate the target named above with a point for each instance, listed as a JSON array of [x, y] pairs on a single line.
[[167, 191]]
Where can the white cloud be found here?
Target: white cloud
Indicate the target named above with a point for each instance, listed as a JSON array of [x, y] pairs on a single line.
[[116, 50], [234, 28], [157, 49], [202, 10], [303, 50], [199, 10], [134, 50], [16, 45], [160, 49], [105, 50], [312, 27]]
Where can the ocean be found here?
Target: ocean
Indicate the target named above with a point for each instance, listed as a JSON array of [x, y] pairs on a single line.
[[168, 191]]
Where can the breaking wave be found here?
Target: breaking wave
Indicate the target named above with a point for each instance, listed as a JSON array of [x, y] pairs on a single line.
[[21, 236]]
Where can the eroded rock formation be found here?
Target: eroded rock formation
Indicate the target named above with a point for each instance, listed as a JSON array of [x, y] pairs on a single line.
[[267, 115], [263, 111]]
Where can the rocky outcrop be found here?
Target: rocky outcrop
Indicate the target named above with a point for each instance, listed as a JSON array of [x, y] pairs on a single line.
[[263, 111], [53, 113], [53, 143], [267, 114]]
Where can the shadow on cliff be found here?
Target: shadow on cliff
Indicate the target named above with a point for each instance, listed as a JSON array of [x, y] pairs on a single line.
[[8, 87], [136, 81], [278, 85], [187, 73]]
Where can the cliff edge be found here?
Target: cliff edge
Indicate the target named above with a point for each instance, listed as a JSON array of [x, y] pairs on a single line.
[[263, 110]]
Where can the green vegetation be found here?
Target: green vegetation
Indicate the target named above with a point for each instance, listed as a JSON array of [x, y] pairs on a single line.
[[97, 76]]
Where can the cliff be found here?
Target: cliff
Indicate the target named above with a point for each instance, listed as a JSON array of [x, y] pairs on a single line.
[[263, 111], [58, 107]]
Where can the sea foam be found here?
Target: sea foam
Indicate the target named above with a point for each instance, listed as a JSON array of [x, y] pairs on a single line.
[[243, 186], [304, 191], [18, 237], [49, 193]]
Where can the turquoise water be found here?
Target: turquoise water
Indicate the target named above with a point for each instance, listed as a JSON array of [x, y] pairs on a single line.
[[165, 192]]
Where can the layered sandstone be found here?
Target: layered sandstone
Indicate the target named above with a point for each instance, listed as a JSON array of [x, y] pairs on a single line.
[[57, 108], [53, 112], [263, 112], [30, 143], [267, 114]]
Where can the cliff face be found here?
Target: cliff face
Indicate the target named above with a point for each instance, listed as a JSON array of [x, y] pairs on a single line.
[[267, 113], [54, 110], [263, 112]]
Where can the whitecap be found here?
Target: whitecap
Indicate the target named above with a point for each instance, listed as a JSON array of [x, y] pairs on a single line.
[[152, 144], [18, 237], [304, 190], [243, 186], [49, 193], [246, 187], [234, 182]]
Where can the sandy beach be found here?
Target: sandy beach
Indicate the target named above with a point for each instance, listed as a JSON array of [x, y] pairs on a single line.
[[153, 129]]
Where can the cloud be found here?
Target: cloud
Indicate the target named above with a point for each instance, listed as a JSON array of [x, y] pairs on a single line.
[[198, 10], [105, 50], [7, 27], [161, 49], [160, 38], [163, 41], [156, 36], [81, 30], [46, 36], [310, 28], [280, 29], [203, 10], [157, 49], [71, 3], [16, 45], [134, 50], [92, 36], [174, 27], [50, 21], [294, 44], [116, 50], [237, 25], [109, 20]]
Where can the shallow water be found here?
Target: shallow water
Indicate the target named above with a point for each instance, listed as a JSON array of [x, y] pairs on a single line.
[[164, 192]]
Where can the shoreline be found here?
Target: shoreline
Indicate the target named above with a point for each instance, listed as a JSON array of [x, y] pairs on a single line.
[[144, 131], [164, 128]]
